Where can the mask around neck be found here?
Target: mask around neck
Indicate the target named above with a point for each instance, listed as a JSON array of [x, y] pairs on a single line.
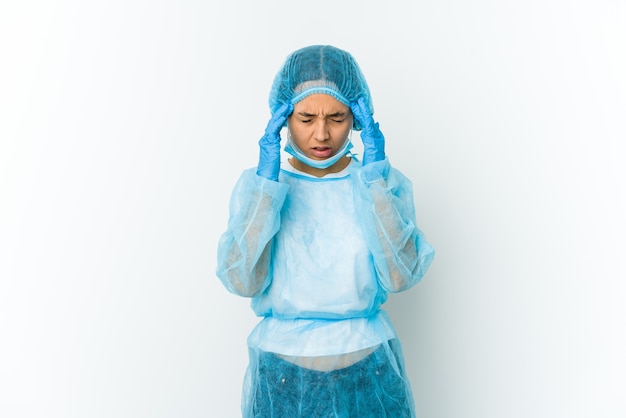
[[292, 148]]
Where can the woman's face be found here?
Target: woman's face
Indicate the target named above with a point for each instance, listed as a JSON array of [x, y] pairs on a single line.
[[320, 125]]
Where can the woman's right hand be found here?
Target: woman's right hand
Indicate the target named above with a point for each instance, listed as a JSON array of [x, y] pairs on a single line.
[[269, 144]]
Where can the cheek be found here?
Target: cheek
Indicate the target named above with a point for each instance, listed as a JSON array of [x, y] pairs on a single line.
[[349, 123], [298, 134], [296, 131], [343, 131]]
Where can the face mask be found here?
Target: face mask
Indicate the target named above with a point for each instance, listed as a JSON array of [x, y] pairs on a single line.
[[292, 148]]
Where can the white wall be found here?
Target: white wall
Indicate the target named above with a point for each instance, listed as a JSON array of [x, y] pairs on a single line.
[[124, 125]]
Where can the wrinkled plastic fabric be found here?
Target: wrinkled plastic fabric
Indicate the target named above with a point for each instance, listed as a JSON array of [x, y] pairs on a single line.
[[319, 69], [243, 254], [318, 257]]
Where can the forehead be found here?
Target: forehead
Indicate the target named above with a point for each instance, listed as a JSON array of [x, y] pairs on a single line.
[[320, 103]]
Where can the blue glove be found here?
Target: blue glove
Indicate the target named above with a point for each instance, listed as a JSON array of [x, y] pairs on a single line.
[[269, 157], [373, 139]]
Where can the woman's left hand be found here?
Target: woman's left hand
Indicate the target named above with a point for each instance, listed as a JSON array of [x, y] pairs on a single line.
[[372, 137]]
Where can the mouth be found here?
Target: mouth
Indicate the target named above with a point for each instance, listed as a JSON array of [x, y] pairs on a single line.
[[321, 152]]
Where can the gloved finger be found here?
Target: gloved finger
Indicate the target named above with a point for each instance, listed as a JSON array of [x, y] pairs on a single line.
[[278, 118], [361, 112]]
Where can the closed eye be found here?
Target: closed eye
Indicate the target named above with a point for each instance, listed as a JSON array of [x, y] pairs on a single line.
[[337, 117]]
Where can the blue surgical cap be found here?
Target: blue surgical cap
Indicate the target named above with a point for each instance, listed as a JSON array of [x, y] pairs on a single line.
[[319, 69]]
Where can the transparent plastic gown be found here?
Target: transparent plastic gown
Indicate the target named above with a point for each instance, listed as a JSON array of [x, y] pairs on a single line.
[[318, 257]]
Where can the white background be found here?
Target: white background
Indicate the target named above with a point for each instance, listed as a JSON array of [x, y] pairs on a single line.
[[125, 124]]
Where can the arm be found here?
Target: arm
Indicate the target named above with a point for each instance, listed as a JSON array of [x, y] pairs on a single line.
[[245, 249], [384, 202]]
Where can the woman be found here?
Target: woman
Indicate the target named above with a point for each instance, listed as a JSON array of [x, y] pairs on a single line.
[[317, 243]]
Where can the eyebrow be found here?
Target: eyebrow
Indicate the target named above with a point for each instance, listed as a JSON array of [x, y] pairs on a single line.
[[332, 115]]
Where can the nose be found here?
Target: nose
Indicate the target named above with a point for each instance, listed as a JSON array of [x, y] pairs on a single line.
[[321, 132]]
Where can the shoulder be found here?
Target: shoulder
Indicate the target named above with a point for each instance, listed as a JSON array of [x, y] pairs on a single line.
[[250, 180]]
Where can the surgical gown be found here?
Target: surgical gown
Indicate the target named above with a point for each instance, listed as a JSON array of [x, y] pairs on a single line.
[[318, 257]]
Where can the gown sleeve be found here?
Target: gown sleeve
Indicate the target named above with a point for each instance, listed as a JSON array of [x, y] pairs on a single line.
[[385, 207], [244, 250]]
